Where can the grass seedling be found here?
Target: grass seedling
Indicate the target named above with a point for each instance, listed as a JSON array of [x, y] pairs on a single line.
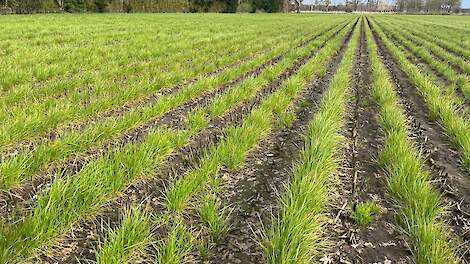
[[364, 213]]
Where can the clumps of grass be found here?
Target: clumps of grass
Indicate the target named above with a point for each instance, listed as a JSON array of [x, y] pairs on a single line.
[[178, 244], [214, 218], [127, 243], [296, 235], [419, 205], [364, 213], [286, 119]]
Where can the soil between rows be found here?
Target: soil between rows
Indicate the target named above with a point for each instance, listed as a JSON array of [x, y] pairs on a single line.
[[362, 180], [25, 195], [81, 241], [442, 160]]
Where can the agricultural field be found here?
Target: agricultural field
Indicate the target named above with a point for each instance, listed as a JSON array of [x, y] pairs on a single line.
[[212, 138]]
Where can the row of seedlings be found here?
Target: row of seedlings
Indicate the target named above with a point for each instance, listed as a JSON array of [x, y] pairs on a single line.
[[295, 236], [70, 199], [419, 208], [440, 107]]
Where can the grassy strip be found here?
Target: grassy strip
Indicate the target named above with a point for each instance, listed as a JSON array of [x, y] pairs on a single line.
[[83, 52], [441, 67], [434, 48], [23, 166], [442, 40], [127, 242], [70, 199], [128, 82], [232, 152], [440, 108], [409, 184], [107, 92], [295, 236], [23, 122]]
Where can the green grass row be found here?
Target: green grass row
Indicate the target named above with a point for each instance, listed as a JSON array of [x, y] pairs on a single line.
[[442, 68], [131, 41], [231, 154], [72, 198], [223, 48], [24, 166], [433, 35], [296, 235], [448, 28], [94, 98], [117, 70], [419, 208], [440, 108], [128, 242], [435, 49]]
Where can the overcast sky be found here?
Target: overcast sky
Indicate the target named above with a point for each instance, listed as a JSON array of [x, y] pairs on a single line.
[[465, 3]]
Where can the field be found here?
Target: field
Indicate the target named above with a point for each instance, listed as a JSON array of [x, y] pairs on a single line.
[[211, 138]]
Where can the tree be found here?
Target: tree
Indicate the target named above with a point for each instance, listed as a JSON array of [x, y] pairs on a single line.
[[285, 6], [297, 5]]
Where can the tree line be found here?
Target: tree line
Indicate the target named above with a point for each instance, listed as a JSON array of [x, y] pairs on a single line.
[[228, 6], [129, 6]]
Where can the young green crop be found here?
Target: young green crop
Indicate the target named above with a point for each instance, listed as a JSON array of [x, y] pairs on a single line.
[[444, 40], [25, 165], [127, 242], [295, 236], [239, 141], [109, 91], [69, 199], [419, 205], [441, 67], [126, 75], [433, 47], [440, 107], [364, 213]]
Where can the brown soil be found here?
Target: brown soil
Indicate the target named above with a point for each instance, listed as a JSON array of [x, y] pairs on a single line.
[[441, 158]]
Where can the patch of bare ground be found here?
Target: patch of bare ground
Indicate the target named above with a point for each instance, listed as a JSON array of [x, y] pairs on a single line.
[[362, 180], [13, 201], [441, 158], [82, 240], [253, 191]]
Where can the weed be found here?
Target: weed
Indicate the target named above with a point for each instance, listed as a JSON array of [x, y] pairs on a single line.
[[364, 213]]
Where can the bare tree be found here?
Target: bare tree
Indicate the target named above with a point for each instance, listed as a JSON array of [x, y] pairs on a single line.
[[297, 5], [326, 5]]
